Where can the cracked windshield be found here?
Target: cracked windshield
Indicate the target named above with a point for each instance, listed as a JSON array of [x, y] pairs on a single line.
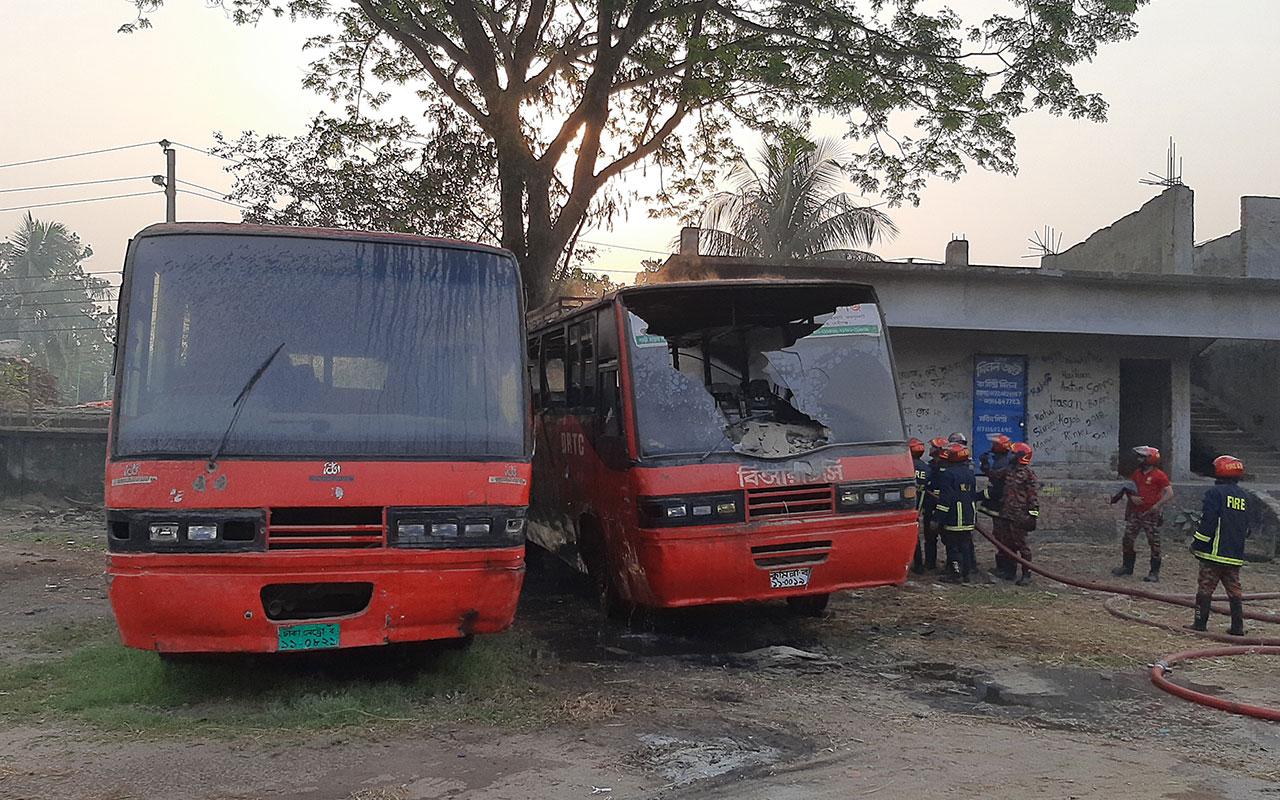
[[639, 400]]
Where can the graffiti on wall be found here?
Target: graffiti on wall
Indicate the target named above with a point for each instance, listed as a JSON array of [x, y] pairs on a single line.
[[937, 398], [1073, 404]]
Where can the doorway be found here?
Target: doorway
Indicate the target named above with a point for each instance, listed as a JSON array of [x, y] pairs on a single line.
[[1146, 415]]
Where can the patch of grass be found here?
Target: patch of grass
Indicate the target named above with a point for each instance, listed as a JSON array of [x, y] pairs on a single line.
[[120, 689]]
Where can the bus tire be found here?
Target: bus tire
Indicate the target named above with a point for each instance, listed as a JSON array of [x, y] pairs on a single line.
[[592, 547], [809, 605]]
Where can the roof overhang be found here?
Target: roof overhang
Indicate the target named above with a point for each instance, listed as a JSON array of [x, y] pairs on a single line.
[[1040, 301]]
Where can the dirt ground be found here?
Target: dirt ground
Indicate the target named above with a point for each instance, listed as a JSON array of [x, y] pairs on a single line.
[[924, 691]]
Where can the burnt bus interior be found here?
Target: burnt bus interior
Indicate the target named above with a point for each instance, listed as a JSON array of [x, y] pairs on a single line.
[[756, 368]]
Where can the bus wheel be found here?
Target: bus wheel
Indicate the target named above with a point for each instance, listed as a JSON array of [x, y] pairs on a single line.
[[810, 605]]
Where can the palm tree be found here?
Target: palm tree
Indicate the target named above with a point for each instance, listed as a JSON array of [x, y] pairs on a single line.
[[790, 208], [48, 301]]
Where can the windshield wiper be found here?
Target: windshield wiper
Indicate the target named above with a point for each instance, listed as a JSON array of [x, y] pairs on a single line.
[[238, 405]]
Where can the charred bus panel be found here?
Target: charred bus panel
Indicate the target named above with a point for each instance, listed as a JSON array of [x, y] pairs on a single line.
[[319, 439], [751, 446]]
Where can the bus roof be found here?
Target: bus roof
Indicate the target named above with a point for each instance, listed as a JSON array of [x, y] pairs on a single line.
[[255, 229], [567, 306]]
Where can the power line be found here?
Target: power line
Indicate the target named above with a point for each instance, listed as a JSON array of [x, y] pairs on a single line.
[[74, 155], [38, 277], [11, 334], [205, 188], [210, 197], [75, 183], [206, 152], [84, 200], [626, 247]]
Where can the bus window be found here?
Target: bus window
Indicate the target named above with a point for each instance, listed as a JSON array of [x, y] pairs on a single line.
[[535, 374], [553, 368], [606, 336], [610, 406], [581, 365]]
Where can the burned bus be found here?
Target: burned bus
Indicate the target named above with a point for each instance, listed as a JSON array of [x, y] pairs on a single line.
[[319, 439], [721, 441]]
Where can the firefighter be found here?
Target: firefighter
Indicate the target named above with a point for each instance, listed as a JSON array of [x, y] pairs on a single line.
[[928, 515], [994, 464], [955, 498], [1144, 511], [1219, 543], [922, 477], [958, 438], [1020, 510]]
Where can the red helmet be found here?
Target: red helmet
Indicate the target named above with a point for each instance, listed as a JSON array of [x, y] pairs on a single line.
[[1000, 443], [916, 446], [937, 444], [1147, 456], [956, 453], [1022, 452], [1228, 467]]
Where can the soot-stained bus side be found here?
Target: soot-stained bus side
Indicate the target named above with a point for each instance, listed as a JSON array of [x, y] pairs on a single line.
[[722, 441]]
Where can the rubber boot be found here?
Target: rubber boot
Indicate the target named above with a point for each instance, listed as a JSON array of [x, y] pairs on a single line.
[[1202, 613], [1237, 618], [917, 561], [1127, 567], [1154, 575], [1025, 580]]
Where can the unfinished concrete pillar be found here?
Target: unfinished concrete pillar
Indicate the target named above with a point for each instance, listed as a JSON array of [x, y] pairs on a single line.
[[689, 237], [957, 253]]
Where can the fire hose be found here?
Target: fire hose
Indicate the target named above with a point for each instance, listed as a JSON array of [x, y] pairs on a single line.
[[1160, 669]]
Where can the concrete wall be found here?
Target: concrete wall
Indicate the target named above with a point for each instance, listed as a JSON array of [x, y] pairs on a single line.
[[1073, 392], [1156, 238], [1221, 256], [1260, 226], [52, 462]]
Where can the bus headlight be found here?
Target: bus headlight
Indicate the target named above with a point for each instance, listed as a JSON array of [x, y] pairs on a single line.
[[875, 497], [164, 532], [202, 533], [698, 509], [456, 528]]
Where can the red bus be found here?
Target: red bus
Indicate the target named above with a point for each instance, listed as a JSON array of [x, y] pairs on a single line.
[[319, 439], [721, 441]]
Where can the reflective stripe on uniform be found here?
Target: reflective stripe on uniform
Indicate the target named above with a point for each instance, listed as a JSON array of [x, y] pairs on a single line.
[[1230, 562]]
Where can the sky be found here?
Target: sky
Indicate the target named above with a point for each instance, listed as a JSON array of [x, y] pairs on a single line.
[[1203, 73]]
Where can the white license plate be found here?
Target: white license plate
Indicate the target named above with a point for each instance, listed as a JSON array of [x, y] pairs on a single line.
[[789, 578]]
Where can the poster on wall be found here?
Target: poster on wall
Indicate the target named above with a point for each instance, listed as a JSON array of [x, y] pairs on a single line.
[[999, 400]]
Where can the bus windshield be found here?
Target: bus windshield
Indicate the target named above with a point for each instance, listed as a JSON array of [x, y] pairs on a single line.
[[385, 349], [774, 373]]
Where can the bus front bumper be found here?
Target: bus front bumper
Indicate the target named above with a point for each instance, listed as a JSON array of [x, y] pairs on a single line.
[[213, 603], [733, 563]]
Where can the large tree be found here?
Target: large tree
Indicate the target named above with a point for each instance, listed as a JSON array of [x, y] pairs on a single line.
[[788, 206], [574, 93]]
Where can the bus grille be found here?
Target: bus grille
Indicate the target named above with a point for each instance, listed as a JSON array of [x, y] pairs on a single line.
[[324, 528], [791, 501], [791, 553]]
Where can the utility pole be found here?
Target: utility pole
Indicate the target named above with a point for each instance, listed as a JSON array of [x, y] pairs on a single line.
[[169, 181]]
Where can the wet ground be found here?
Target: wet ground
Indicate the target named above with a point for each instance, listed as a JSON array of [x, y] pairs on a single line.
[[924, 691]]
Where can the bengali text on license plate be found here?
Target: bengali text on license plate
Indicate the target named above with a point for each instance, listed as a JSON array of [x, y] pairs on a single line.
[[789, 578], [320, 636]]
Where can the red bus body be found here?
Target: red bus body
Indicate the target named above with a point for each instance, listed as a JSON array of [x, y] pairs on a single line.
[[309, 548], [596, 487]]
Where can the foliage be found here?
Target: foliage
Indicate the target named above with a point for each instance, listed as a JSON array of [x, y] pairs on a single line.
[[369, 175], [577, 282], [789, 208], [50, 305], [574, 94], [25, 385]]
